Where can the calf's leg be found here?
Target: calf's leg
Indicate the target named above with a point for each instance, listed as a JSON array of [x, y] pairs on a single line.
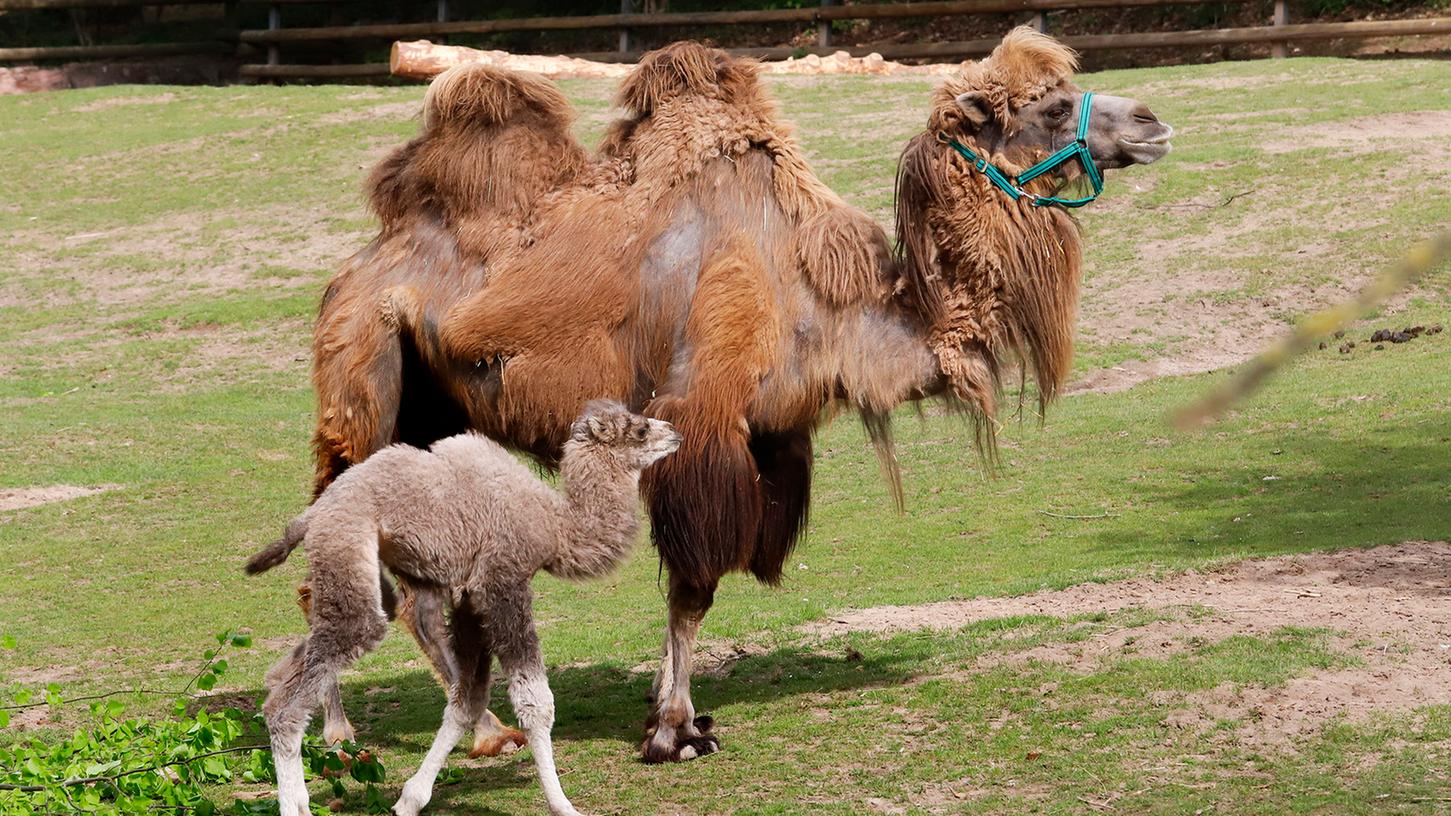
[[348, 621], [491, 737], [510, 621]]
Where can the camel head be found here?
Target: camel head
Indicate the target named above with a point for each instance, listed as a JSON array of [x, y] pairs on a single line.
[[1019, 106], [990, 257], [633, 441]]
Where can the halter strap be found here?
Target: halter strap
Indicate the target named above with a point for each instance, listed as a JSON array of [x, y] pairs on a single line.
[[1078, 149]]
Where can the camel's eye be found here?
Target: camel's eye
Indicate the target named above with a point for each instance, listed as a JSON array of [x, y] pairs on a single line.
[[1060, 111], [639, 432]]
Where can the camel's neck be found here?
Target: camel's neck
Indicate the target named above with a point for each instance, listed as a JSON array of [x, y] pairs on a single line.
[[601, 521], [1010, 277], [992, 278], [892, 360]]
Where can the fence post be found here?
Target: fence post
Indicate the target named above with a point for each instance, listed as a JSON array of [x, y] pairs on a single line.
[[626, 44], [1281, 49], [823, 27], [443, 18], [1040, 22], [274, 22]]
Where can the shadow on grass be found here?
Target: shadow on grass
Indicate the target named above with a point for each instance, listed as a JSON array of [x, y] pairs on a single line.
[[1305, 490], [603, 701]]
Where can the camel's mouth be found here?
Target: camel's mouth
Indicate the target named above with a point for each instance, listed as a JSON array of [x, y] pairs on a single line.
[[1148, 150]]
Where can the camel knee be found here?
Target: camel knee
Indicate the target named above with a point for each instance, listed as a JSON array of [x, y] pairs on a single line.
[[533, 700]]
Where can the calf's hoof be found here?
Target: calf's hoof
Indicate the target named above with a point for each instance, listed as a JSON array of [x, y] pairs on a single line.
[[415, 796], [405, 808], [505, 741], [336, 734]]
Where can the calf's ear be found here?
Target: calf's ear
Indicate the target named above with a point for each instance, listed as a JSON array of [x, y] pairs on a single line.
[[600, 430]]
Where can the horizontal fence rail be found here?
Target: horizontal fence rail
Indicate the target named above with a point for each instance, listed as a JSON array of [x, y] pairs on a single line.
[[963, 49], [398, 31], [100, 52]]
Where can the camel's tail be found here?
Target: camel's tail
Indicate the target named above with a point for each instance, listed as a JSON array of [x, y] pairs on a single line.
[[278, 551]]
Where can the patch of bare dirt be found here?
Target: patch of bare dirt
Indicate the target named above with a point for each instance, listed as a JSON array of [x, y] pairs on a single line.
[[1366, 132], [1390, 605], [392, 111], [183, 255], [125, 101], [1195, 303], [231, 355], [24, 498]]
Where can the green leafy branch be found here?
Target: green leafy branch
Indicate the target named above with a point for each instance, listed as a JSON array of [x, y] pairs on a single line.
[[126, 766]]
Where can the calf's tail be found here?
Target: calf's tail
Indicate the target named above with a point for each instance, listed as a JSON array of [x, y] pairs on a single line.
[[277, 552]]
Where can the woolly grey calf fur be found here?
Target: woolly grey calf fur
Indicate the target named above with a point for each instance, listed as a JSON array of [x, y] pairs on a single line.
[[463, 524]]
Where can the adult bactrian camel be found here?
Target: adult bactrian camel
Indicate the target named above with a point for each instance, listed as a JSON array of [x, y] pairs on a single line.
[[696, 269]]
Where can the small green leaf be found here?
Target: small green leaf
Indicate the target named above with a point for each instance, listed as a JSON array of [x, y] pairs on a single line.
[[7, 642], [206, 682], [241, 641], [449, 776]]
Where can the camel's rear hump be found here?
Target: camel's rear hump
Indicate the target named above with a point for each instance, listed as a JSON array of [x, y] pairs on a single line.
[[493, 141]]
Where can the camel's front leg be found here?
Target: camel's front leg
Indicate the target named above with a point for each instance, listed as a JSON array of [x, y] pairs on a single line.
[[673, 732], [419, 787], [510, 621], [472, 652]]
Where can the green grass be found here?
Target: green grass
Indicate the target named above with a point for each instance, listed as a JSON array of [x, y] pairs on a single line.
[[168, 357]]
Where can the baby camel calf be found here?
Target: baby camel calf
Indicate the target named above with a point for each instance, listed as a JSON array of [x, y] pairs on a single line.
[[462, 523]]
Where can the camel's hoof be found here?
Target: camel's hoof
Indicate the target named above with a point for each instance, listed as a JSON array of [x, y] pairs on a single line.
[[684, 748], [505, 742], [335, 734]]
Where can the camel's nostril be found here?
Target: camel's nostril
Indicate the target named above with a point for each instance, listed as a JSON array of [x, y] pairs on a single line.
[[1144, 116]]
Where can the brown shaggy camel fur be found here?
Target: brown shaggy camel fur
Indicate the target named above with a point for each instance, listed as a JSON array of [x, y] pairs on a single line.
[[697, 270], [467, 524]]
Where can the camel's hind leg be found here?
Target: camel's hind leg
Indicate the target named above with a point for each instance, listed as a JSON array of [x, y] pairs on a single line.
[[347, 622]]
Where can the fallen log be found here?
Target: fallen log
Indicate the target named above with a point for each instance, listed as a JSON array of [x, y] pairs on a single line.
[[421, 59]]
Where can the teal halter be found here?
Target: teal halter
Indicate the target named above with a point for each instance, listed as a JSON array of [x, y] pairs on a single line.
[[1014, 187]]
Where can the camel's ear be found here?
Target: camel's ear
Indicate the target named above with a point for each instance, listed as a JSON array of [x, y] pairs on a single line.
[[601, 430], [976, 111]]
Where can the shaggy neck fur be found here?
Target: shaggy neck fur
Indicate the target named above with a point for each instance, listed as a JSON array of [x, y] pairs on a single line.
[[990, 277], [1003, 281], [601, 521]]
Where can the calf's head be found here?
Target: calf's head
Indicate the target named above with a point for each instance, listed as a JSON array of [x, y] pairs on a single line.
[[634, 441]]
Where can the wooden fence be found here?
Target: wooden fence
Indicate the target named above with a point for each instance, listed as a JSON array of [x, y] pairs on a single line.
[[272, 40]]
